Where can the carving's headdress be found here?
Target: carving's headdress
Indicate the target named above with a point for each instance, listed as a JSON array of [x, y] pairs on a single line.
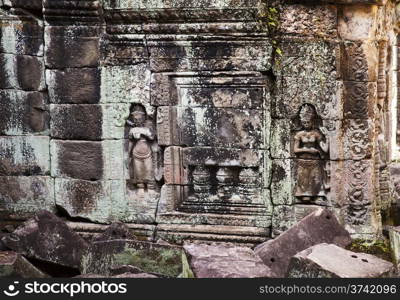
[[307, 112], [138, 110]]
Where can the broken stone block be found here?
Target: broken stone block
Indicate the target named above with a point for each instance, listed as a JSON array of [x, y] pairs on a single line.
[[149, 257], [116, 231], [74, 86], [24, 155], [394, 234], [321, 226], [47, 238], [23, 113], [330, 261], [285, 216], [71, 46], [98, 201], [13, 264], [22, 196], [222, 261]]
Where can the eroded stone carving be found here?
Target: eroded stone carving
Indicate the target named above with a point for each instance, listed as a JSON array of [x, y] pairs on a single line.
[[225, 178], [358, 202], [145, 163], [249, 181], [201, 179], [310, 147]]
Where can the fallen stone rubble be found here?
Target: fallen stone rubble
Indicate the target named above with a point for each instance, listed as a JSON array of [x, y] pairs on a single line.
[[331, 261], [314, 247], [224, 261], [320, 226]]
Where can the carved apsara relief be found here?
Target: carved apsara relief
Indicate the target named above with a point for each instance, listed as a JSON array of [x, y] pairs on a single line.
[[311, 148], [145, 157]]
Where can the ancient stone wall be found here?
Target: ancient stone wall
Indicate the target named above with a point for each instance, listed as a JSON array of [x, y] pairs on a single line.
[[216, 120]]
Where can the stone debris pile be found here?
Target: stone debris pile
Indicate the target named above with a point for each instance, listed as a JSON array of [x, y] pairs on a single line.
[[314, 247]]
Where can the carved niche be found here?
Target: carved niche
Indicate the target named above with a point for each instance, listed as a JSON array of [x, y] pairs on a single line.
[[212, 127], [144, 154], [311, 148]]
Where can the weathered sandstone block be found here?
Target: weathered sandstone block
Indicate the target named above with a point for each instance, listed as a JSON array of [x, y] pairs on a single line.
[[76, 86], [98, 201], [358, 22], [89, 160], [71, 46], [307, 73], [22, 196], [23, 113], [21, 37], [316, 20], [14, 265], [48, 238], [359, 61], [331, 261], [149, 257], [222, 261], [83, 121], [318, 227], [126, 84], [24, 156]]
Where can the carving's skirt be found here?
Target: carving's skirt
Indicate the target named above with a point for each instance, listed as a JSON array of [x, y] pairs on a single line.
[[310, 178]]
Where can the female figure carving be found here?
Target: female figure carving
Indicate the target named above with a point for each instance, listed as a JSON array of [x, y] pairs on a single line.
[[310, 147], [143, 150]]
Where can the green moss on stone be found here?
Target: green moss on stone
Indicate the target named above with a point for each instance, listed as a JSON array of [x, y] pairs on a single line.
[[166, 262], [379, 248], [186, 270]]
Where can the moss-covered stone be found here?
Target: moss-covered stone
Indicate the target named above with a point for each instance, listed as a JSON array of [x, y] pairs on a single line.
[[149, 257], [380, 248]]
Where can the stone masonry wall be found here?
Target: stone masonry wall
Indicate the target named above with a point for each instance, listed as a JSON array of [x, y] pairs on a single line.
[[213, 120]]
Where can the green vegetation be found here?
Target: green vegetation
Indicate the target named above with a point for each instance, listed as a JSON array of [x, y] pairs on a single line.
[[166, 262], [269, 20], [379, 248]]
